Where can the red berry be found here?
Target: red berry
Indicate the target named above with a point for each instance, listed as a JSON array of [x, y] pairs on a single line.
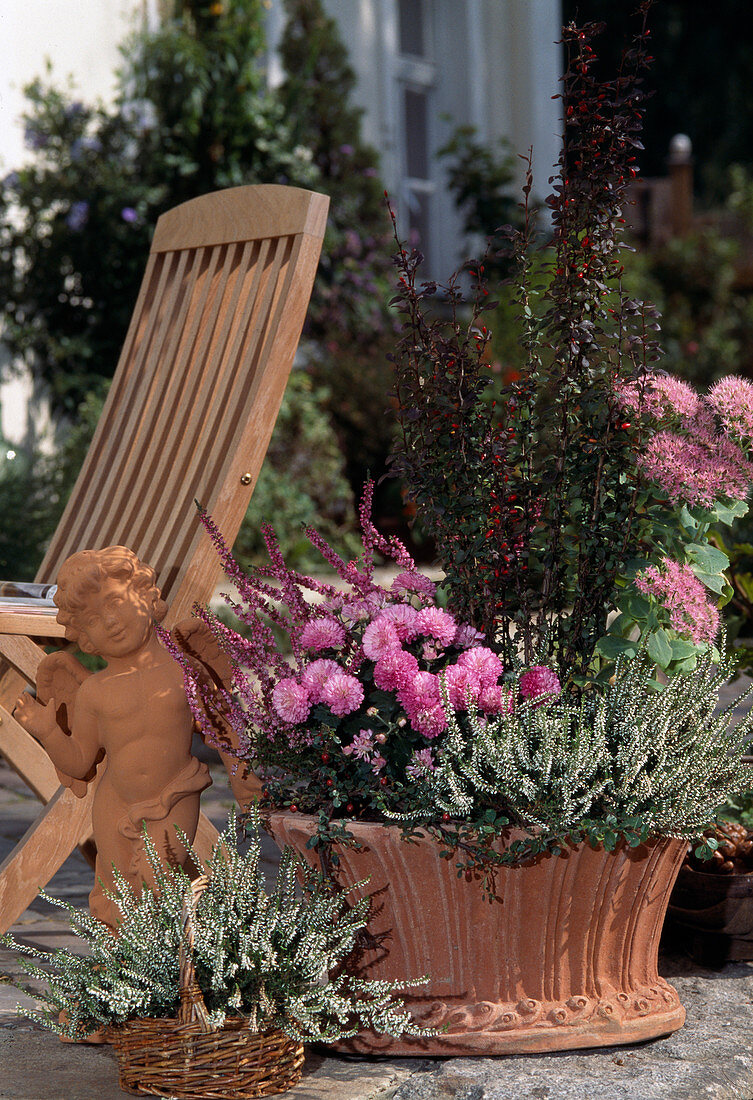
[[383, 781], [349, 808], [325, 758], [445, 816], [330, 782], [293, 808]]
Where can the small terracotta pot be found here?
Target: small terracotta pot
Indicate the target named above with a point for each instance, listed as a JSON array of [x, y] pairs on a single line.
[[711, 917], [567, 958]]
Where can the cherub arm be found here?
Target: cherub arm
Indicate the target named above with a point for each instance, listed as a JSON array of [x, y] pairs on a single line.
[[75, 754]]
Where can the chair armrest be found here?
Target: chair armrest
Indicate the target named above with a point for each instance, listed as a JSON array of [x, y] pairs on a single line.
[[34, 620]]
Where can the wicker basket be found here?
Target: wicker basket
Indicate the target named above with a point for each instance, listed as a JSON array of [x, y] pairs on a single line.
[[186, 1058]]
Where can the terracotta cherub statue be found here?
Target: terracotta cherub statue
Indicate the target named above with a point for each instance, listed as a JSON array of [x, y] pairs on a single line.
[[134, 713]]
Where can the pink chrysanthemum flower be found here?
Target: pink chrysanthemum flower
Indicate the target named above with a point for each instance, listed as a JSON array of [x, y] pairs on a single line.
[[732, 400], [495, 699], [430, 722], [436, 623], [413, 582], [420, 692], [342, 693], [538, 682], [316, 675], [484, 662], [322, 634], [678, 589], [394, 669], [403, 618], [291, 700], [379, 638], [462, 683], [362, 745], [421, 760]]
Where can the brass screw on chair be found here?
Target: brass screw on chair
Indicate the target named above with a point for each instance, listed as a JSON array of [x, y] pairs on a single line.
[[246, 479]]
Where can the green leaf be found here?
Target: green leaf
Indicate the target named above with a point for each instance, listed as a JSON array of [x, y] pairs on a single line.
[[728, 513], [611, 647], [709, 558], [682, 649], [715, 582], [660, 648]]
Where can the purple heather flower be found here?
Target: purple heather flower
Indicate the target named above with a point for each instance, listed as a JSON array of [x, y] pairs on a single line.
[[342, 693], [539, 682], [128, 214], [291, 700], [322, 634], [77, 216], [413, 582]]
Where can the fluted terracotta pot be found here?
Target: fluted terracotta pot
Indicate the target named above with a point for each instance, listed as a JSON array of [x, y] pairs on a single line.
[[566, 959]]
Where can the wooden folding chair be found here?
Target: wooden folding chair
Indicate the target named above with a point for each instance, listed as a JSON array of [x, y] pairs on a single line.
[[189, 417]]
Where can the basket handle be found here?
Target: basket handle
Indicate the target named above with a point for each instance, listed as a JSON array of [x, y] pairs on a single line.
[[192, 1009]]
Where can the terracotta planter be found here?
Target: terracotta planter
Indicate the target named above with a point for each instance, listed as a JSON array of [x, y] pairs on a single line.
[[567, 959], [711, 917]]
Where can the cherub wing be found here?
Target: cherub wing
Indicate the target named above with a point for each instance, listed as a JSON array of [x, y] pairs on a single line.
[[59, 677], [215, 670]]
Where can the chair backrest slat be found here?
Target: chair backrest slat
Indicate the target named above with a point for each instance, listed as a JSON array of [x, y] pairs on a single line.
[[199, 383]]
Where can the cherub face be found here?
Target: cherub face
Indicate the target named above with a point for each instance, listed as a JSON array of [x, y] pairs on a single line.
[[117, 620]]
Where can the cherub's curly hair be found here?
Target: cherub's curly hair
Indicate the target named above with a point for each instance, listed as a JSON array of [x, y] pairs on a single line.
[[84, 573]]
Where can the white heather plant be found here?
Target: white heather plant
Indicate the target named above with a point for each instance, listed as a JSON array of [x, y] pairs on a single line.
[[628, 762], [266, 956]]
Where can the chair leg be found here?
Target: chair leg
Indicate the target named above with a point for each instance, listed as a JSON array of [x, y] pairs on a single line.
[[64, 822]]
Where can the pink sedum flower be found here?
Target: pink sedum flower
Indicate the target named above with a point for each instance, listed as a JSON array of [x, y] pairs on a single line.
[[679, 591], [696, 471], [316, 675], [539, 682], [483, 662], [342, 693], [291, 700], [379, 638], [394, 669], [436, 623], [323, 634]]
